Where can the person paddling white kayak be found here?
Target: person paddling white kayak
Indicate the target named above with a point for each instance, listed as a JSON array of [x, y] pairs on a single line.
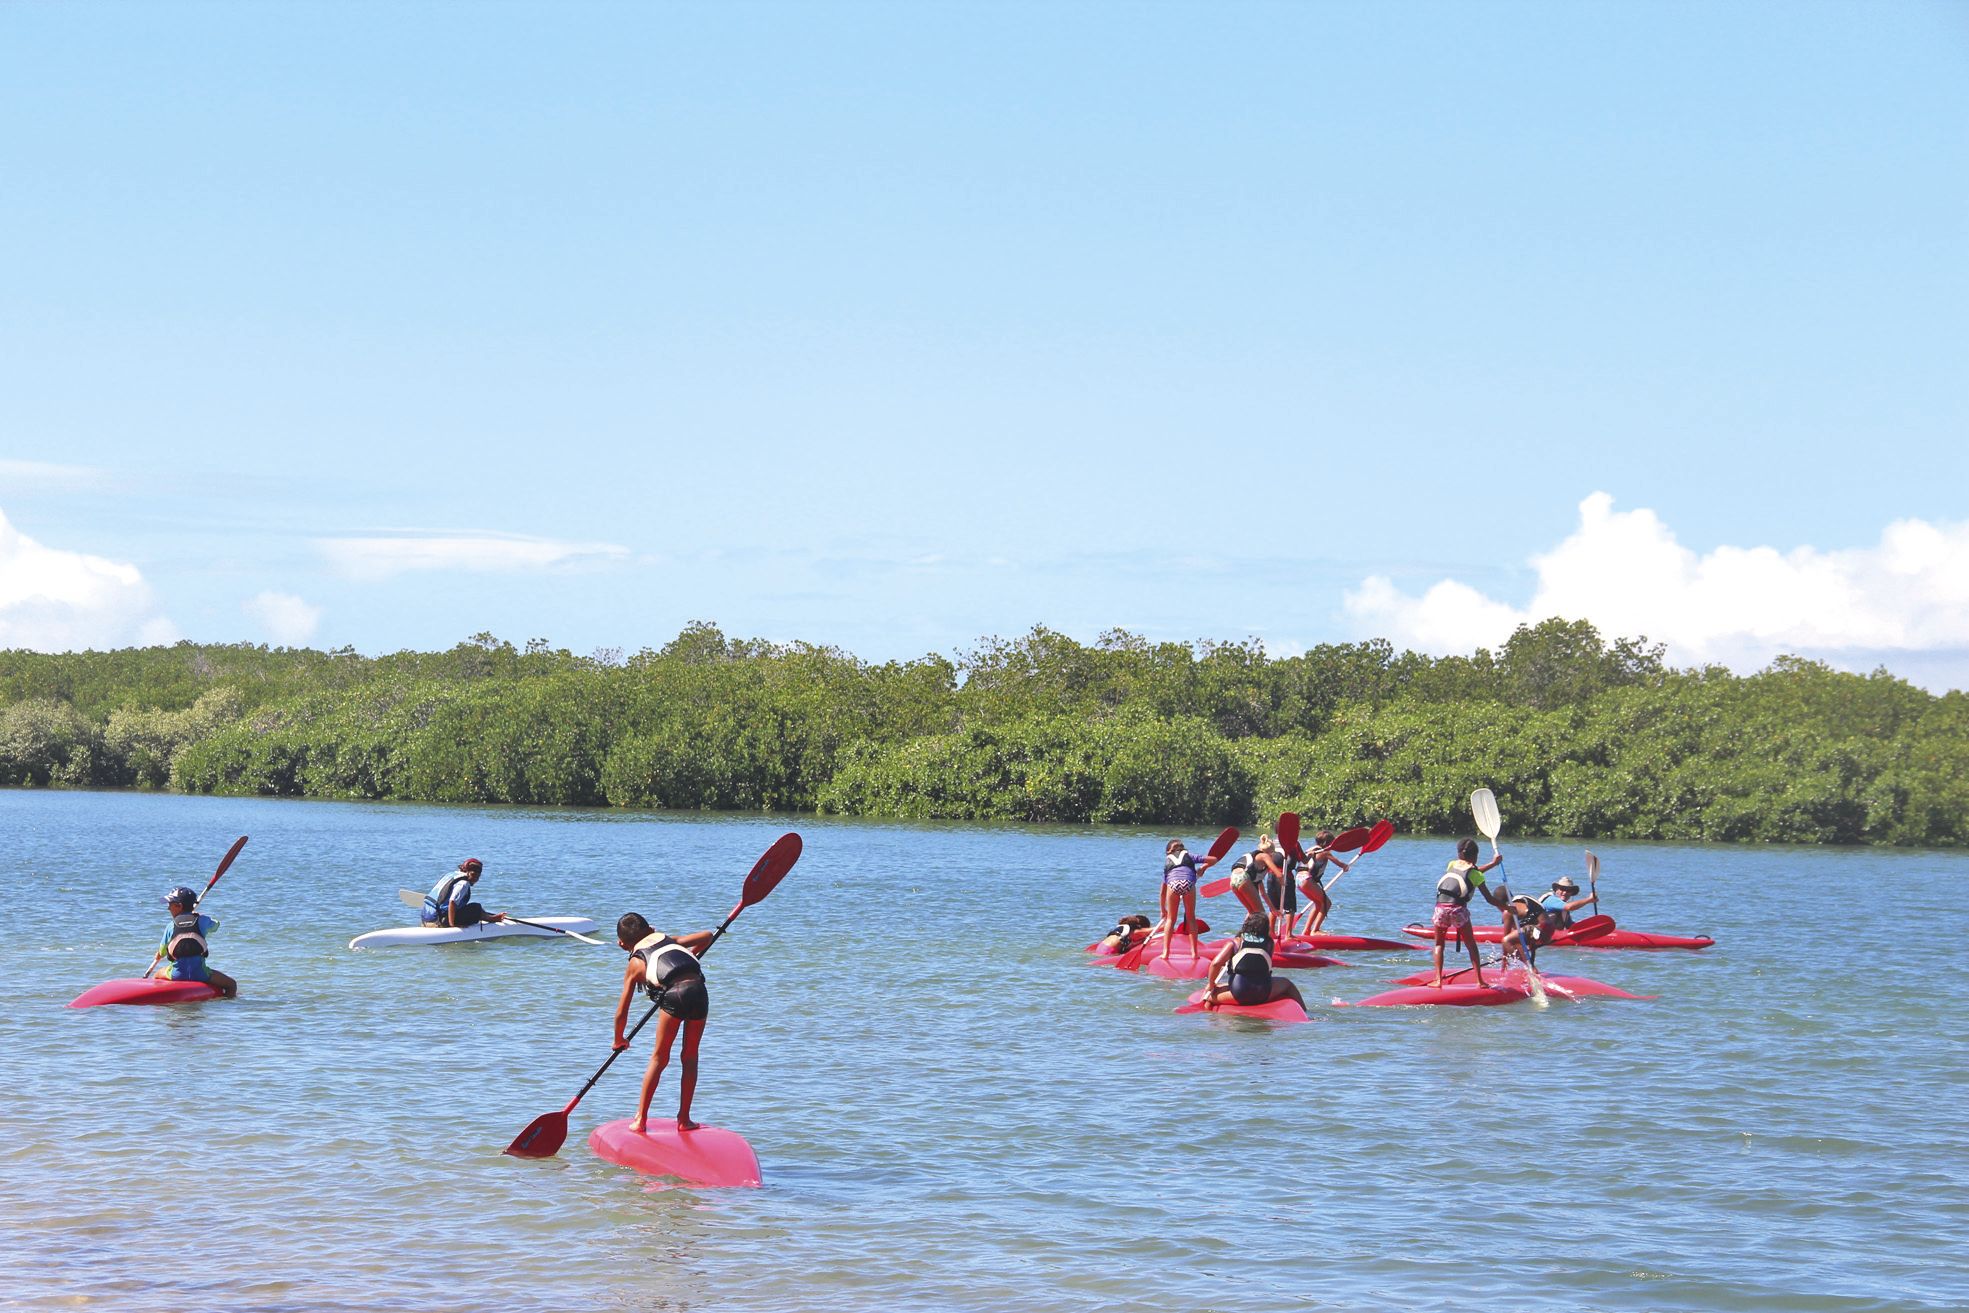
[[450, 901]]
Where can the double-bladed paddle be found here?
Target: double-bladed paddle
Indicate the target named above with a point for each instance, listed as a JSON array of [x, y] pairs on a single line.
[[544, 1136], [1483, 810], [224, 862], [411, 898]]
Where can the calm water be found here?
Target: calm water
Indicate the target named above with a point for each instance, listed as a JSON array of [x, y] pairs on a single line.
[[952, 1109]]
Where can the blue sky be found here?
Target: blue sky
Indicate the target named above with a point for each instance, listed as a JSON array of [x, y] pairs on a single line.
[[892, 326]]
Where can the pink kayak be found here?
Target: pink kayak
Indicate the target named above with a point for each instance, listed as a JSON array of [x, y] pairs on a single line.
[[1455, 996], [1614, 938], [1279, 1009], [1575, 986], [1181, 966], [1346, 944], [133, 990], [706, 1156]]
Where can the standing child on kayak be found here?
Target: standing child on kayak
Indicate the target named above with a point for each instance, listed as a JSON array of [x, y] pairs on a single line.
[[1313, 886], [1250, 872], [450, 901], [667, 969], [186, 944], [1463, 880], [1180, 868], [1249, 960]]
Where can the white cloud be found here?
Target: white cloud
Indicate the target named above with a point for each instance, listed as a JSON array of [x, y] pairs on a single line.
[[386, 556], [1741, 606], [287, 619], [21, 475], [57, 601]]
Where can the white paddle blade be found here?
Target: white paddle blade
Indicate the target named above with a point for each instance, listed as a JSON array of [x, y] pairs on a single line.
[[411, 898], [1483, 807], [1592, 866]]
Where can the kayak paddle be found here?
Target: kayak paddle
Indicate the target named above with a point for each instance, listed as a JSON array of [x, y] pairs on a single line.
[[1593, 878], [546, 1133], [224, 862], [411, 898], [1483, 810], [1288, 836]]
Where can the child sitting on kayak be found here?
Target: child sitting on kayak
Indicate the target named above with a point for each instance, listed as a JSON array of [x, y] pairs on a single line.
[[1561, 903], [186, 944], [667, 969], [1249, 960], [450, 901]]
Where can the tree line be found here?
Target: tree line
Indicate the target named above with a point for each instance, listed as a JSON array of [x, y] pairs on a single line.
[[1577, 736]]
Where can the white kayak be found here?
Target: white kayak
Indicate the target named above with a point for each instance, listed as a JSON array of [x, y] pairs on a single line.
[[407, 936]]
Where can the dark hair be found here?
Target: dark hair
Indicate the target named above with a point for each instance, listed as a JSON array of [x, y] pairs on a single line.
[[1321, 836], [631, 927], [1256, 924], [1138, 921], [1466, 849]]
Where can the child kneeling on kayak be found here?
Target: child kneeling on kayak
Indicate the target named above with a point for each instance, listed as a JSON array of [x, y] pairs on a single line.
[[1249, 958], [667, 969], [185, 945]]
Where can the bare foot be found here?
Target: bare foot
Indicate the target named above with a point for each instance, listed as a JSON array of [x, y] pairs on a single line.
[[640, 1125], [686, 1124]]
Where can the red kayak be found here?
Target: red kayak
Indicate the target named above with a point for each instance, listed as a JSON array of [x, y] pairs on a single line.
[[1181, 966], [1449, 996], [134, 990], [1323, 942], [1500, 987], [1279, 1009], [1612, 938], [1574, 986], [707, 1156]]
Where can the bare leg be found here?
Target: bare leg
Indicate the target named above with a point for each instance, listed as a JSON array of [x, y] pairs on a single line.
[[1469, 938], [1166, 927], [1321, 906], [1189, 920], [666, 1034], [225, 984], [687, 1078], [1436, 953]]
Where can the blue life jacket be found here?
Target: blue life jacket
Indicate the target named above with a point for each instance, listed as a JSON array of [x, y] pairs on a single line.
[[440, 897]]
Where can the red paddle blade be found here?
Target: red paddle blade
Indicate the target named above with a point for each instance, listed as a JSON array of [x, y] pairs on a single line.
[[1591, 928], [1348, 840], [225, 862], [542, 1138], [770, 869], [1288, 836], [1223, 845], [1383, 831], [1216, 887]]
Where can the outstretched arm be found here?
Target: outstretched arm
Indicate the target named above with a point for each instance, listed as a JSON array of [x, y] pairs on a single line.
[[631, 978]]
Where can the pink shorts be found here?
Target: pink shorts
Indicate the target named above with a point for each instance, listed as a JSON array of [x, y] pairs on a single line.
[[1453, 915]]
